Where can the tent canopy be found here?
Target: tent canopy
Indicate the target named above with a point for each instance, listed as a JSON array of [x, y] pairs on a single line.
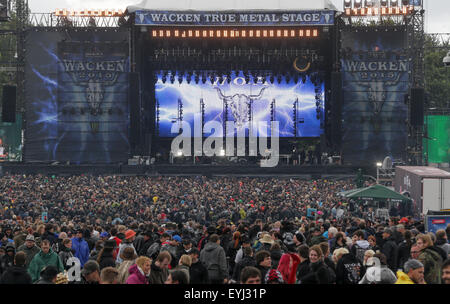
[[232, 5], [376, 193]]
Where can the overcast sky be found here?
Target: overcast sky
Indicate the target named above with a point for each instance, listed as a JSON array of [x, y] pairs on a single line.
[[437, 11]]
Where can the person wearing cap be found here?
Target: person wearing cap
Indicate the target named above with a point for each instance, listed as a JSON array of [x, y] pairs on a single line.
[[29, 248], [390, 249], [43, 259], [413, 273], [104, 236], [81, 247], [127, 242], [105, 256], [173, 247], [90, 274]]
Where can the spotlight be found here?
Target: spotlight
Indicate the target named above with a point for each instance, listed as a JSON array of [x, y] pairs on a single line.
[[405, 2], [379, 165], [172, 78], [279, 79], [203, 78], [394, 3], [197, 79], [189, 78], [180, 78], [296, 79], [348, 3], [164, 78], [357, 3], [383, 3], [369, 3], [272, 79], [303, 79]]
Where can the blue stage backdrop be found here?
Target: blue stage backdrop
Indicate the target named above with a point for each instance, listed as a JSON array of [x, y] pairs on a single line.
[[77, 96], [375, 69], [239, 95]]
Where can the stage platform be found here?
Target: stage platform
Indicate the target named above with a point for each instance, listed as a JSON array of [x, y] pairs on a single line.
[[315, 172]]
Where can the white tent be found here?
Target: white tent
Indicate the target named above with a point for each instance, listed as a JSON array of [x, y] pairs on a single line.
[[232, 5]]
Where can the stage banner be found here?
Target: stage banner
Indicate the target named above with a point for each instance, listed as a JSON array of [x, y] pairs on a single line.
[[305, 18], [437, 143], [77, 97], [375, 69], [11, 140]]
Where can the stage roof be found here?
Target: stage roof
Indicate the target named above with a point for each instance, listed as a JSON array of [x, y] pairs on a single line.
[[232, 5]]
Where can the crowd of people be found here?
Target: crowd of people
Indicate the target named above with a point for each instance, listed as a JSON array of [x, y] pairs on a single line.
[[197, 230]]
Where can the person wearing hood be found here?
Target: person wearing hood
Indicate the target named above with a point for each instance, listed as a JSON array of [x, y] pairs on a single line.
[[81, 247], [43, 259], [390, 249], [413, 273], [431, 259], [378, 274], [140, 272], [17, 274], [66, 252], [7, 260], [360, 246], [214, 258]]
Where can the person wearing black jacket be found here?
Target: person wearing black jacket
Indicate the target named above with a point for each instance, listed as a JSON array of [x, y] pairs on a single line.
[[390, 249], [404, 250], [263, 262], [105, 257], [49, 235], [17, 274], [198, 273], [147, 241], [349, 270], [303, 268], [247, 260], [319, 272]]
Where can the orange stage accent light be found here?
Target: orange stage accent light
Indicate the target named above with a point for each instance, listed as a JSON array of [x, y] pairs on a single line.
[[302, 33]]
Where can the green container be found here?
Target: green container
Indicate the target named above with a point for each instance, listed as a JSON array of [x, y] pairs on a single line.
[[437, 145]]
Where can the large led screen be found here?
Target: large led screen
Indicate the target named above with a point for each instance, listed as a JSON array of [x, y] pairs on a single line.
[[244, 100]]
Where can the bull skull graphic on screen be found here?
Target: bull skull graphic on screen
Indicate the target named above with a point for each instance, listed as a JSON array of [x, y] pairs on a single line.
[[240, 104], [376, 93]]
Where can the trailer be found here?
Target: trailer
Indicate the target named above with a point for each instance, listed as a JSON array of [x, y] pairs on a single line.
[[428, 187]]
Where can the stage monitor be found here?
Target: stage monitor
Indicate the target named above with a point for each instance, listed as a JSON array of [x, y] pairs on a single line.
[[236, 96]]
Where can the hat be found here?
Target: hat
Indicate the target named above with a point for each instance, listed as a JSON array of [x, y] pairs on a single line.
[[274, 275], [10, 247], [129, 234], [404, 220], [267, 239], [90, 267], [104, 234], [177, 238], [211, 230], [148, 233], [30, 237]]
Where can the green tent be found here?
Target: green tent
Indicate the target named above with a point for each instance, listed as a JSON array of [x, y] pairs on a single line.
[[377, 193], [348, 192]]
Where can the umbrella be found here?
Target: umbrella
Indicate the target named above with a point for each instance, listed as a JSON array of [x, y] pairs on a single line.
[[377, 193]]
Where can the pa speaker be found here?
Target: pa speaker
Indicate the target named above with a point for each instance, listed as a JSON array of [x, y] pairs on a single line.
[[417, 107], [336, 108], [9, 104], [135, 109]]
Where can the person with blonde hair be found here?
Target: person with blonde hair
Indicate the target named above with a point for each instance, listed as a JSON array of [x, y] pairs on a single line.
[[367, 255], [184, 265], [430, 258], [338, 253], [140, 272]]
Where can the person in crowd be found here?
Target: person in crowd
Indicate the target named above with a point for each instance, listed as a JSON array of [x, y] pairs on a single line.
[[184, 264], [198, 273], [273, 276], [414, 253], [349, 269], [173, 247], [250, 275], [245, 242], [263, 262], [248, 260], [340, 242], [361, 245], [44, 258], [446, 272], [109, 275], [303, 267], [430, 258], [160, 268], [81, 247], [214, 258], [7, 260], [90, 274], [17, 274], [48, 275], [414, 273], [177, 276], [29, 248], [140, 271], [130, 236], [49, 234], [377, 271], [390, 249], [373, 243], [319, 273], [404, 249], [105, 257], [338, 253], [442, 241], [66, 253], [367, 255], [129, 258]]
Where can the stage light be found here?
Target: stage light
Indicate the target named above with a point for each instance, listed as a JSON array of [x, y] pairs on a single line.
[[286, 33], [232, 34], [369, 3], [384, 3], [164, 79], [167, 33], [161, 33], [347, 3], [177, 33], [265, 33], [296, 79], [203, 79], [405, 2], [315, 33], [379, 165], [357, 3], [302, 33], [308, 33], [292, 33], [180, 78], [304, 79], [279, 33], [218, 33], [205, 33], [190, 33], [271, 33], [279, 79], [250, 33], [180, 153], [222, 152], [258, 33], [154, 33], [172, 78], [244, 34], [211, 33], [394, 3], [271, 79], [225, 34]]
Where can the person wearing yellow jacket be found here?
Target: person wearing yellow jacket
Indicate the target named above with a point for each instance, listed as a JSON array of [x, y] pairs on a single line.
[[414, 273]]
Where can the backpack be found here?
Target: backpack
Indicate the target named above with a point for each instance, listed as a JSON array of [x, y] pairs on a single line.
[[153, 250]]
